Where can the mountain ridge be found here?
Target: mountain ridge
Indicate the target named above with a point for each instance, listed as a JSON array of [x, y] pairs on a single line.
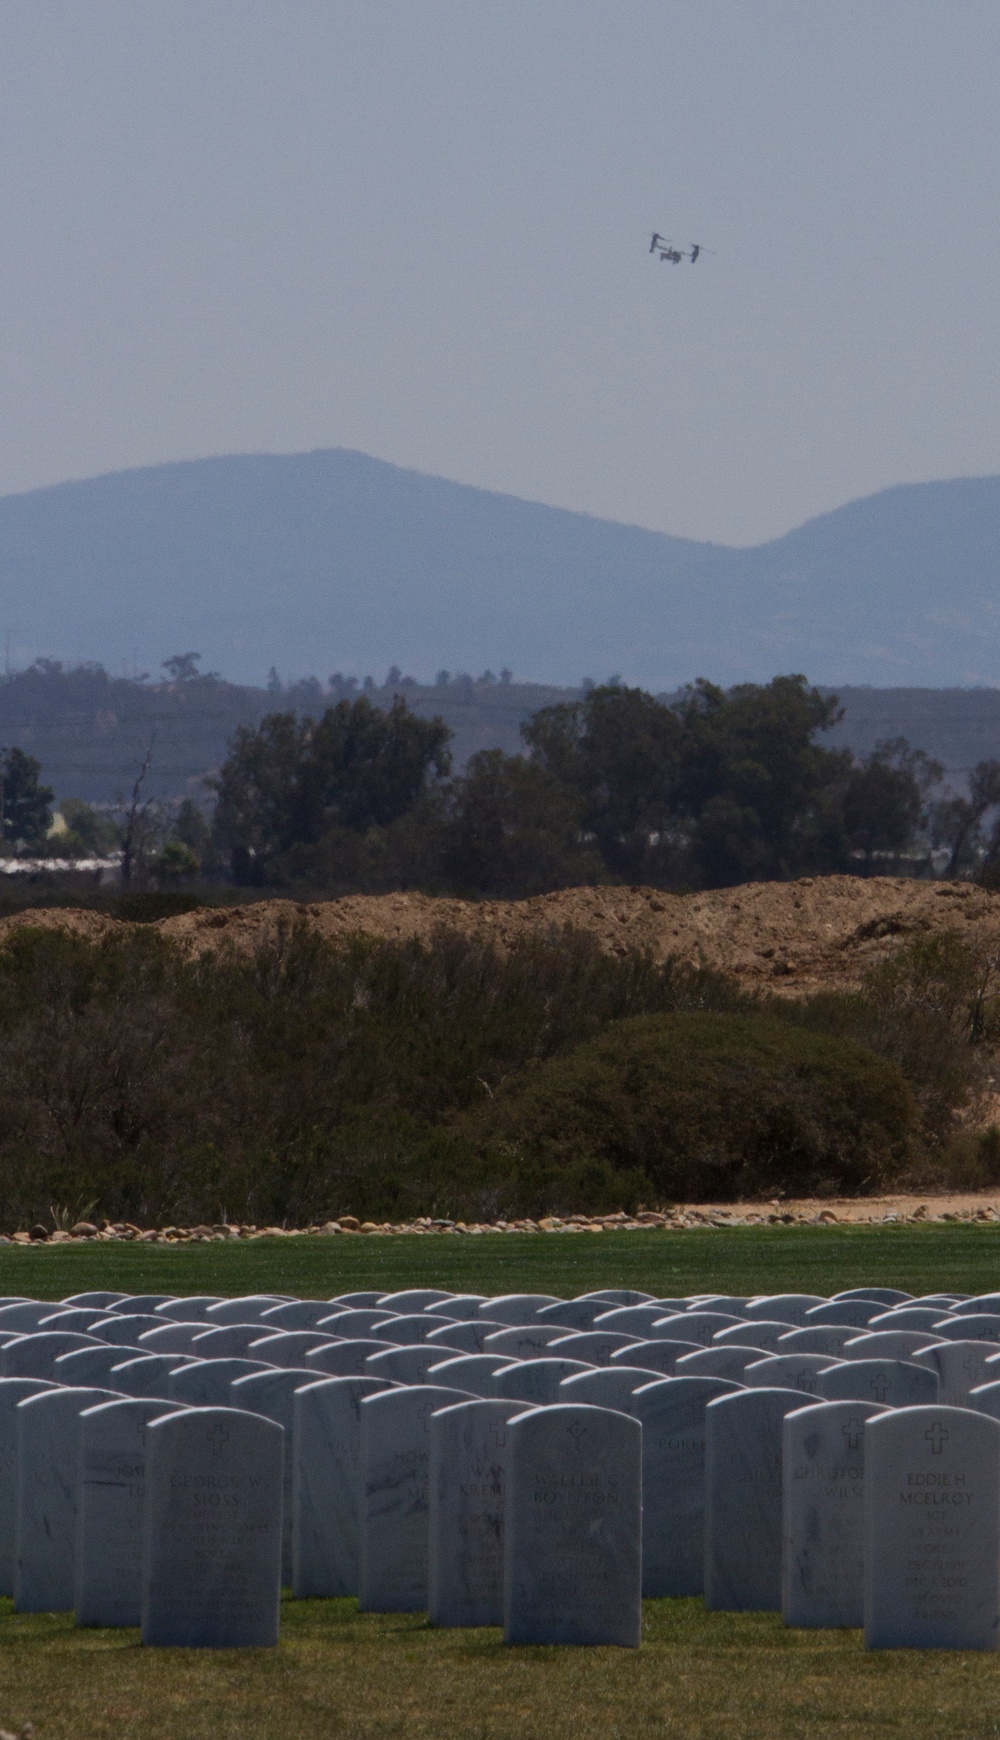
[[334, 559]]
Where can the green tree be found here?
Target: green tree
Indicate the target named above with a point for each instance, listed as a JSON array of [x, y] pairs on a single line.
[[292, 781], [885, 804], [513, 830], [25, 804]]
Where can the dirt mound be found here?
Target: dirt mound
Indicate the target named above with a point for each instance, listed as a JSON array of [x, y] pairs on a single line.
[[791, 936], [75, 920]]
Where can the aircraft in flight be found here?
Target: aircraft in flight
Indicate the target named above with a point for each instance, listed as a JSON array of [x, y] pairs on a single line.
[[666, 250]]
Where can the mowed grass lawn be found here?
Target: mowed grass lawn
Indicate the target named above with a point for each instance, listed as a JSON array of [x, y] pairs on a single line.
[[339, 1673]]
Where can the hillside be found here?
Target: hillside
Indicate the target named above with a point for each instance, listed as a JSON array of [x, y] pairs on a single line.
[[334, 560], [792, 937]]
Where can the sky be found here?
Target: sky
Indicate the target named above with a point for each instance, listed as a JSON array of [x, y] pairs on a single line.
[[420, 228]]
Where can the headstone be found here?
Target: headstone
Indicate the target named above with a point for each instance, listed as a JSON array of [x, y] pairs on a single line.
[[24, 1316], [414, 1299], [100, 1301], [897, 1383], [408, 1365], [573, 1313], [409, 1331], [47, 1451], [249, 1309], [842, 1313], [189, 1310], [272, 1393], [758, 1334], [130, 1303], [660, 1356], [124, 1331], [522, 1342], [172, 1338], [353, 1301], [787, 1307], [460, 1308], [887, 1344], [35, 1355], [823, 1528], [516, 1309], [467, 1336], [12, 1391], [108, 1561], [467, 1502], [326, 1484], [979, 1302], [573, 1528], [212, 1528], [208, 1383], [826, 1338], [91, 1365], [623, 1296], [147, 1374], [698, 1326], [974, 1326], [229, 1341], [295, 1314], [343, 1358], [608, 1387], [743, 1497], [595, 1346], [535, 1380], [395, 1487], [961, 1366], [672, 1415], [285, 1349], [631, 1319], [723, 1362], [884, 1296], [353, 1322], [788, 1371], [985, 1398], [932, 1530], [908, 1317], [467, 1371], [74, 1318]]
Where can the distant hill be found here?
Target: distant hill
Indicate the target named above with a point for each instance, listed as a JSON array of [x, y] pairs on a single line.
[[335, 561]]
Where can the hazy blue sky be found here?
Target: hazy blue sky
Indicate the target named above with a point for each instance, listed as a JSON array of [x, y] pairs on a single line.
[[419, 228]]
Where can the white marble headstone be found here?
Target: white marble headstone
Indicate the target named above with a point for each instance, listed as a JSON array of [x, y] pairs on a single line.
[[573, 1528], [469, 1448], [671, 1412], [960, 1366], [326, 1476], [395, 1495], [535, 1380], [896, 1383], [212, 1525], [48, 1449], [932, 1530], [108, 1581], [823, 1529], [12, 1391], [743, 1499]]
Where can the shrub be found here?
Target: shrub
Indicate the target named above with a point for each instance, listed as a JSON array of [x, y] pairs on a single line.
[[702, 1105]]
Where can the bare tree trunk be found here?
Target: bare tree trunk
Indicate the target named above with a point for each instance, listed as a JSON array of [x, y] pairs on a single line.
[[128, 843]]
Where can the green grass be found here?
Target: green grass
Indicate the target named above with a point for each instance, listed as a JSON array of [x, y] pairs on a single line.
[[338, 1675], [737, 1260]]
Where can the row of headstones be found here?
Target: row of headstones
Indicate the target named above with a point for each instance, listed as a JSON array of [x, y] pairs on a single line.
[[432, 1476]]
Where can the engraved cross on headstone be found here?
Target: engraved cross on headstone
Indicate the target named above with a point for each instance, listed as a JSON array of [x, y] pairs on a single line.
[[937, 1436], [216, 1438], [577, 1430], [852, 1431], [879, 1386]]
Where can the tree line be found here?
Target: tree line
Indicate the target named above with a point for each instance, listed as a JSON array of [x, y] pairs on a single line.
[[709, 789], [715, 788]]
